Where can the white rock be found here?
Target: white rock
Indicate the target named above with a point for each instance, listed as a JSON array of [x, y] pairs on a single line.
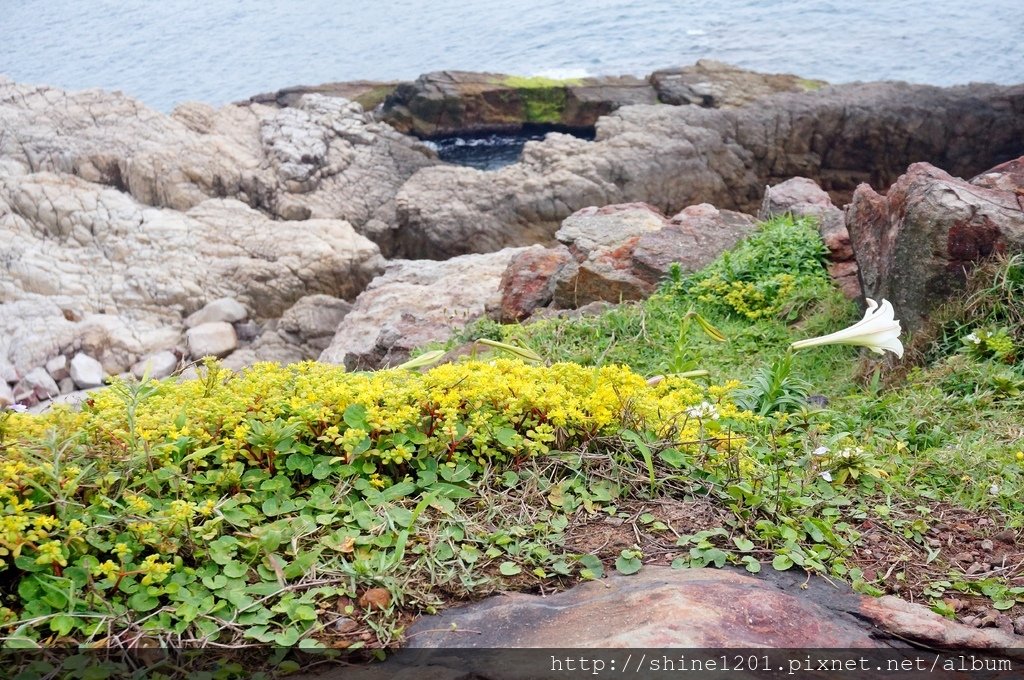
[[159, 365], [211, 339], [37, 385], [223, 309], [6, 394], [8, 374], [57, 367], [86, 371]]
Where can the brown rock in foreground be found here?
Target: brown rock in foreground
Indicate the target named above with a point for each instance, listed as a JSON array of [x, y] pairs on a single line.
[[916, 244], [658, 607]]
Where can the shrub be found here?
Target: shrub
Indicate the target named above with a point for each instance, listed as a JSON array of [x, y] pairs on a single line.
[[778, 271]]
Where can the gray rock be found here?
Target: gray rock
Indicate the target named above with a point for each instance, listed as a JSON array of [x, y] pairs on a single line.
[[216, 339], [414, 303], [36, 386], [158, 366], [675, 156], [222, 309], [247, 331], [57, 367], [86, 371], [714, 84], [314, 319], [66, 385]]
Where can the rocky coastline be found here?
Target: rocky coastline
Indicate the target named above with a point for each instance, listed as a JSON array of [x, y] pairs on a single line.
[[316, 223]]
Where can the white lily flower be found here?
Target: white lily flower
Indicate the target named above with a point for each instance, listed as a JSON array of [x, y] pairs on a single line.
[[820, 451], [826, 475], [877, 331]]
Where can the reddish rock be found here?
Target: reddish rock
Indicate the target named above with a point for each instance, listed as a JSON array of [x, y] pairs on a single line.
[[1008, 176], [692, 238], [527, 283], [916, 244], [602, 241], [656, 608]]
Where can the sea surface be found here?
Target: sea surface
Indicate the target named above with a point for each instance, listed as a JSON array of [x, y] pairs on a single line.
[[220, 51]]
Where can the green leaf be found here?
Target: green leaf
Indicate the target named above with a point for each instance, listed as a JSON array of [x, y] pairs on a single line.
[[62, 624], [1003, 605], [751, 564], [142, 601], [593, 564], [235, 570], [782, 562], [743, 544], [509, 569], [355, 417], [303, 612], [680, 563], [627, 565]]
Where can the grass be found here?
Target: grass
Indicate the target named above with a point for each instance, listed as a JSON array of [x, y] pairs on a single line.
[[306, 507]]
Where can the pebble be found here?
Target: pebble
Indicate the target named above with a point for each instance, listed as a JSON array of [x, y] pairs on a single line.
[[159, 365], [215, 339], [987, 545], [36, 386], [57, 367], [6, 394], [86, 371], [1018, 625]]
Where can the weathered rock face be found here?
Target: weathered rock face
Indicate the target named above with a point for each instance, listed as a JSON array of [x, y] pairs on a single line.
[[698, 608], [460, 102], [87, 268], [802, 197], [713, 84], [1008, 176], [916, 243], [672, 157], [616, 253], [321, 158], [414, 303]]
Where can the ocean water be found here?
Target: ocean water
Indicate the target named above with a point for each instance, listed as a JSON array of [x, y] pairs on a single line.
[[220, 51]]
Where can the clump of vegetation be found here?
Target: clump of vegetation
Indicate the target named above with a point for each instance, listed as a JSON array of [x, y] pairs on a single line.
[[777, 271]]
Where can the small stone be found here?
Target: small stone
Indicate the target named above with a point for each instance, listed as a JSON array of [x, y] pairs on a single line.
[[345, 625], [57, 367], [158, 366], [36, 386], [223, 309], [86, 371], [8, 373], [1018, 625], [963, 557], [247, 331], [1006, 536], [6, 394], [66, 385], [987, 545], [375, 598], [216, 339]]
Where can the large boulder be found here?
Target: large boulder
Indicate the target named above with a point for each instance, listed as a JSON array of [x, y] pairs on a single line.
[[916, 243], [802, 197], [699, 609], [462, 102], [675, 156], [414, 303], [1008, 176], [713, 84]]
